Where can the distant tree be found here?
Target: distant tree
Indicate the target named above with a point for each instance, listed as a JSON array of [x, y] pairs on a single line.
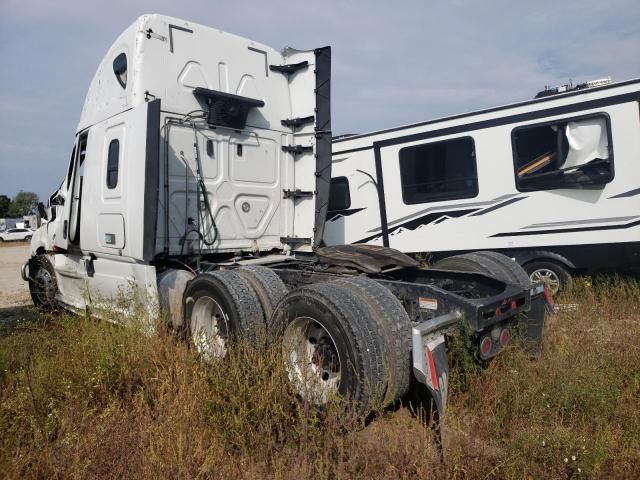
[[23, 203], [4, 206]]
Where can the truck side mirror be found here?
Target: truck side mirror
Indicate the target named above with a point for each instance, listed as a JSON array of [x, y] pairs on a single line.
[[42, 211]]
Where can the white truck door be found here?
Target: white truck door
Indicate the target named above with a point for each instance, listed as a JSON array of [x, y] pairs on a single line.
[[118, 212]]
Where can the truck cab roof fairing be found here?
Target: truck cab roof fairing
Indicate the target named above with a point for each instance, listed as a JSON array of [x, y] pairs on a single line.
[[165, 59]]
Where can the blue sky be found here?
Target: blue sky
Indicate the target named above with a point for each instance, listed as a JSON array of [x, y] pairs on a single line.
[[393, 62]]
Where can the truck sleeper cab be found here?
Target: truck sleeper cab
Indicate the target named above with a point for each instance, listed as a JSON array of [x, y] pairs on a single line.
[[199, 180]]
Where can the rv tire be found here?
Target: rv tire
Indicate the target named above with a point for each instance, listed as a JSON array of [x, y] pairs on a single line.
[[554, 275]]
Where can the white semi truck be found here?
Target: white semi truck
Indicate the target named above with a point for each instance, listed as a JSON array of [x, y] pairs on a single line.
[[200, 175]]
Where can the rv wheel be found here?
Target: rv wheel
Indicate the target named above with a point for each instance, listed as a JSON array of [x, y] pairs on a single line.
[[267, 285], [554, 275], [330, 345], [42, 283], [221, 307]]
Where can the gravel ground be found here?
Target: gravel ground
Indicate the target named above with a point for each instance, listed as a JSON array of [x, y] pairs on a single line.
[[14, 293]]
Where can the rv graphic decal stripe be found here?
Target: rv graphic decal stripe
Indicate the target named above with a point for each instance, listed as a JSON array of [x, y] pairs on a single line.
[[517, 118], [496, 207], [568, 230], [630, 193], [435, 217], [336, 214], [582, 222], [444, 209]]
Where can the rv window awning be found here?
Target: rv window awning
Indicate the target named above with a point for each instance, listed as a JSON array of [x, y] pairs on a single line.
[[226, 109]]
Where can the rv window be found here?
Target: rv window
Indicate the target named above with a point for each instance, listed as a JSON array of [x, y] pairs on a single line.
[[339, 197], [439, 171], [112, 164], [572, 153]]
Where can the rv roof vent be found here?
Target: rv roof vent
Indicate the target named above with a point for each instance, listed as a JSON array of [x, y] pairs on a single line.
[[570, 87]]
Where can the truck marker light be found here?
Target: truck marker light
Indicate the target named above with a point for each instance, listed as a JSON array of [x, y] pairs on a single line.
[[432, 369]]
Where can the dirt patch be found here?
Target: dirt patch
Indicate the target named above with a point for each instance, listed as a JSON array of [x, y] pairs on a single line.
[[14, 292]]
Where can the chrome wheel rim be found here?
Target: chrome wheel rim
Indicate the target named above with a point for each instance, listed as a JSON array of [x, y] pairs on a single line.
[[45, 288], [312, 360], [548, 277], [209, 328]]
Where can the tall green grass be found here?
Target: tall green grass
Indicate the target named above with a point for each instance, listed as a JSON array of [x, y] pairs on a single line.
[[81, 398]]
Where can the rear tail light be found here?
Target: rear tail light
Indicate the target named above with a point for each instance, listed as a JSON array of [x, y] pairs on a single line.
[[505, 336], [485, 347]]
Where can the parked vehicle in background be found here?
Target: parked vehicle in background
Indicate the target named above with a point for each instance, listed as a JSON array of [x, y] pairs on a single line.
[[16, 234], [551, 182], [200, 175]]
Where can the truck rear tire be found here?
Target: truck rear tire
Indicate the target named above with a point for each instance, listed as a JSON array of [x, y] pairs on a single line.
[[267, 284], [221, 307], [331, 345], [395, 327], [517, 274], [474, 262], [470, 263], [42, 283]]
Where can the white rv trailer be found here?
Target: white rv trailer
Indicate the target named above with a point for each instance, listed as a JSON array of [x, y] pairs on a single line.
[[553, 183], [200, 176]]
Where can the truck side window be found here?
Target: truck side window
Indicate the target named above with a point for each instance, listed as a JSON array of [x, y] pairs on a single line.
[[444, 170], [113, 164], [120, 69], [71, 164], [569, 153], [339, 196]]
